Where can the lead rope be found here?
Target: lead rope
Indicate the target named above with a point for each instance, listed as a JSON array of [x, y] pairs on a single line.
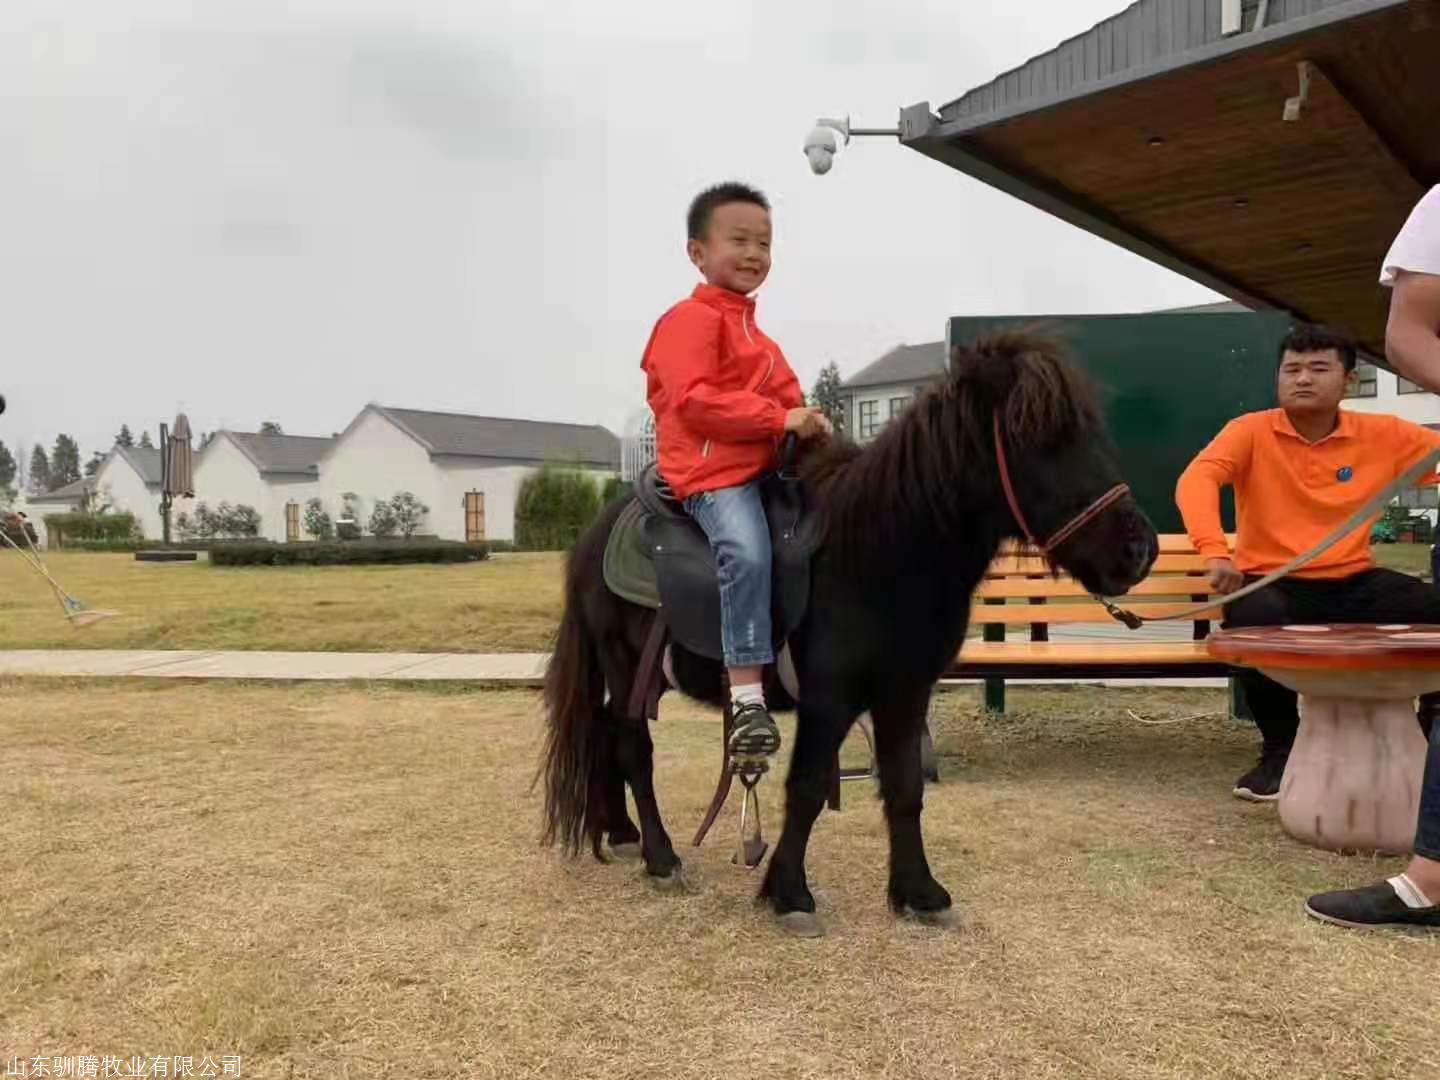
[[1406, 480]]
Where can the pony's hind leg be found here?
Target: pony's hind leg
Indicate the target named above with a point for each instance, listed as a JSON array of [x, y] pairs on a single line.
[[621, 834], [899, 730]]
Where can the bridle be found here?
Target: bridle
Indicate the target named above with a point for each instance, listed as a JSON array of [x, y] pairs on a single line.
[[1071, 527]]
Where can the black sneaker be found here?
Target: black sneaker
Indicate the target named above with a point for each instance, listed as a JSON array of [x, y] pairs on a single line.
[[755, 737], [1372, 906], [1262, 783]]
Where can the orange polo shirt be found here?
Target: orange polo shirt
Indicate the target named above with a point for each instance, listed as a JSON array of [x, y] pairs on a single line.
[[1289, 493]]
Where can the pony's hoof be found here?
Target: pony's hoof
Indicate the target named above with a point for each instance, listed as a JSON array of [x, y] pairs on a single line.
[[672, 882], [801, 924], [625, 852], [943, 919]]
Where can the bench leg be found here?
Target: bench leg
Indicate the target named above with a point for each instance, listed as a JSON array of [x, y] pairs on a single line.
[[722, 787], [995, 695]]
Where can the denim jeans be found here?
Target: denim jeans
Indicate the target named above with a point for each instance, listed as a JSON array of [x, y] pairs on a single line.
[[1427, 834], [734, 521]]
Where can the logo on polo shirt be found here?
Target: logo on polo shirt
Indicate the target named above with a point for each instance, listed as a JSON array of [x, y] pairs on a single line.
[[1344, 474]]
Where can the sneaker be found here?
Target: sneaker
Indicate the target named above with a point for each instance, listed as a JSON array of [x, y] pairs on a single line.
[[755, 736], [1372, 906], [1262, 783]]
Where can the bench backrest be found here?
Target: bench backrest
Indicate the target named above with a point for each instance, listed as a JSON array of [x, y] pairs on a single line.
[[1020, 590]]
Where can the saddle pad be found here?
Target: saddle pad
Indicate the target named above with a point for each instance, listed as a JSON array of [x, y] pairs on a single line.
[[629, 572]]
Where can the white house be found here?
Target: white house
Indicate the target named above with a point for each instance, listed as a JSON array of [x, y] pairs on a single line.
[[1379, 391], [466, 469], [128, 480], [274, 474], [881, 390]]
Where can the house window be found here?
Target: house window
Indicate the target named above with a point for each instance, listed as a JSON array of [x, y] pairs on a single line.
[[1422, 498], [869, 419], [897, 406], [1365, 381], [1405, 386]]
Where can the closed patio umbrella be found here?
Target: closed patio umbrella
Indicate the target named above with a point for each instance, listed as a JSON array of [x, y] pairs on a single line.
[[177, 468]]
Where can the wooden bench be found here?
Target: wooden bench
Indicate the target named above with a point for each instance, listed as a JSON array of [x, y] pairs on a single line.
[[1019, 592]]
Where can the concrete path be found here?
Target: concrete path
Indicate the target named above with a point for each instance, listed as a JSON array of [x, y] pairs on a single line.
[[494, 669], [505, 669]]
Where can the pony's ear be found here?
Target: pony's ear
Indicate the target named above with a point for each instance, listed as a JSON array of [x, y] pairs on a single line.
[[988, 374]]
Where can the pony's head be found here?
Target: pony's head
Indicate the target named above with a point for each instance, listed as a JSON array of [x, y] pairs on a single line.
[[1024, 407]]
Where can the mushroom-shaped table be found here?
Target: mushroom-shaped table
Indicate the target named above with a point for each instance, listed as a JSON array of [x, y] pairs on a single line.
[[1353, 779]]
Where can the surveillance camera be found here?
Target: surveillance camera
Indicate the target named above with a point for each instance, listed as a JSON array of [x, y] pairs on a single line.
[[820, 147]]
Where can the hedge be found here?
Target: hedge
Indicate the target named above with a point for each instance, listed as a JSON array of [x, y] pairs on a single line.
[[138, 545], [378, 552], [65, 529]]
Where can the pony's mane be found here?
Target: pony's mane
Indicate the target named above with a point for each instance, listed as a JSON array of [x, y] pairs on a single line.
[[919, 469]]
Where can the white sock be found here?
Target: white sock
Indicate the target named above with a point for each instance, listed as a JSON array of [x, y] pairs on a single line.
[[1410, 893], [749, 694]]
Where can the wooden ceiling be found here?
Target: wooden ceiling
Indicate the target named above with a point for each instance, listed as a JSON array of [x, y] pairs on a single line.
[[1197, 168]]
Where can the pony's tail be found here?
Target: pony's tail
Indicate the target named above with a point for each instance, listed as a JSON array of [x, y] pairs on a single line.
[[574, 748]]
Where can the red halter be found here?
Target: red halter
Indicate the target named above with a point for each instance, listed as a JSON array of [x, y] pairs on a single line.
[[1071, 527]]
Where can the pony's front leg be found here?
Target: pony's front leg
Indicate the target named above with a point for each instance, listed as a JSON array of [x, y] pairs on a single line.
[[899, 725], [819, 733]]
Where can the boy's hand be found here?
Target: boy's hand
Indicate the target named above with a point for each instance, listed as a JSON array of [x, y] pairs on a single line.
[[808, 423], [1224, 578]]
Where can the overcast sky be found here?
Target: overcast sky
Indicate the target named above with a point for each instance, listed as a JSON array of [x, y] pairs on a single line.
[[263, 210]]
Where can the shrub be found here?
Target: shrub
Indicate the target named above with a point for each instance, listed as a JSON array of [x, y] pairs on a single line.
[[317, 521], [225, 521], [65, 529], [409, 512], [335, 554], [553, 508], [383, 522]]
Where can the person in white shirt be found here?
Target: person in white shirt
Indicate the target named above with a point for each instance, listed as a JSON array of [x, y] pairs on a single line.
[[1412, 344]]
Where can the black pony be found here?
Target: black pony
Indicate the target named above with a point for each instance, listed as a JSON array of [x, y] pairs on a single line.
[[1009, 439]]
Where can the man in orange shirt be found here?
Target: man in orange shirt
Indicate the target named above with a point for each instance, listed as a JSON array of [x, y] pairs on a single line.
[[1298, 471]]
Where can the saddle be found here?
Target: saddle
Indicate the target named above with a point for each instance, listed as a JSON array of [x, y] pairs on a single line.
[[658, 557]]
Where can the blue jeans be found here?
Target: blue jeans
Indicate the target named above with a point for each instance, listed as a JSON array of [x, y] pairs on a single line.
[[734, 521], [1427, 835]]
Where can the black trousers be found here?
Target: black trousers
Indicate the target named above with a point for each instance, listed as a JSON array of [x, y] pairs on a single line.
[[1373, 596]]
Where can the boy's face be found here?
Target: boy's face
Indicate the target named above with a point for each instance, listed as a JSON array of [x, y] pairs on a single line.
[[734, 251]]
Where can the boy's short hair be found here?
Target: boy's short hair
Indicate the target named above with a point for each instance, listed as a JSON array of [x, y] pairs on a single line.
[[1314, 339], [704, 204]]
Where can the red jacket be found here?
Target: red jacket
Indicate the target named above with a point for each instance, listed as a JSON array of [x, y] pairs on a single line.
[[719, 389]]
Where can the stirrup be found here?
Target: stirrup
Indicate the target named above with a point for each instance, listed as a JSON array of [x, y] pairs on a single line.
[[752, 847]]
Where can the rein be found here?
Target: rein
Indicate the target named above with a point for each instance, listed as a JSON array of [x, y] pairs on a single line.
[[1071, 527]]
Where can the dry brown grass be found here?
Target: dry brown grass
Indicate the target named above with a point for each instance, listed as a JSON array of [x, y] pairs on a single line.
[[344, 883], [510, 603]]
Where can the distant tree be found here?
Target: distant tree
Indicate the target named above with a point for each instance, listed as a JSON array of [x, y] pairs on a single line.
[[125, 439], [410, 513], [270, 427], [64, 462], [828, 395], [8, 466], [39, 470], [317, 521], [93, 465], [205, 439], [146, 443]]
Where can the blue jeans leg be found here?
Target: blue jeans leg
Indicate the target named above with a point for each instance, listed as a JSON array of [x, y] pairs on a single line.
[[734, 521], [1427, 836]]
